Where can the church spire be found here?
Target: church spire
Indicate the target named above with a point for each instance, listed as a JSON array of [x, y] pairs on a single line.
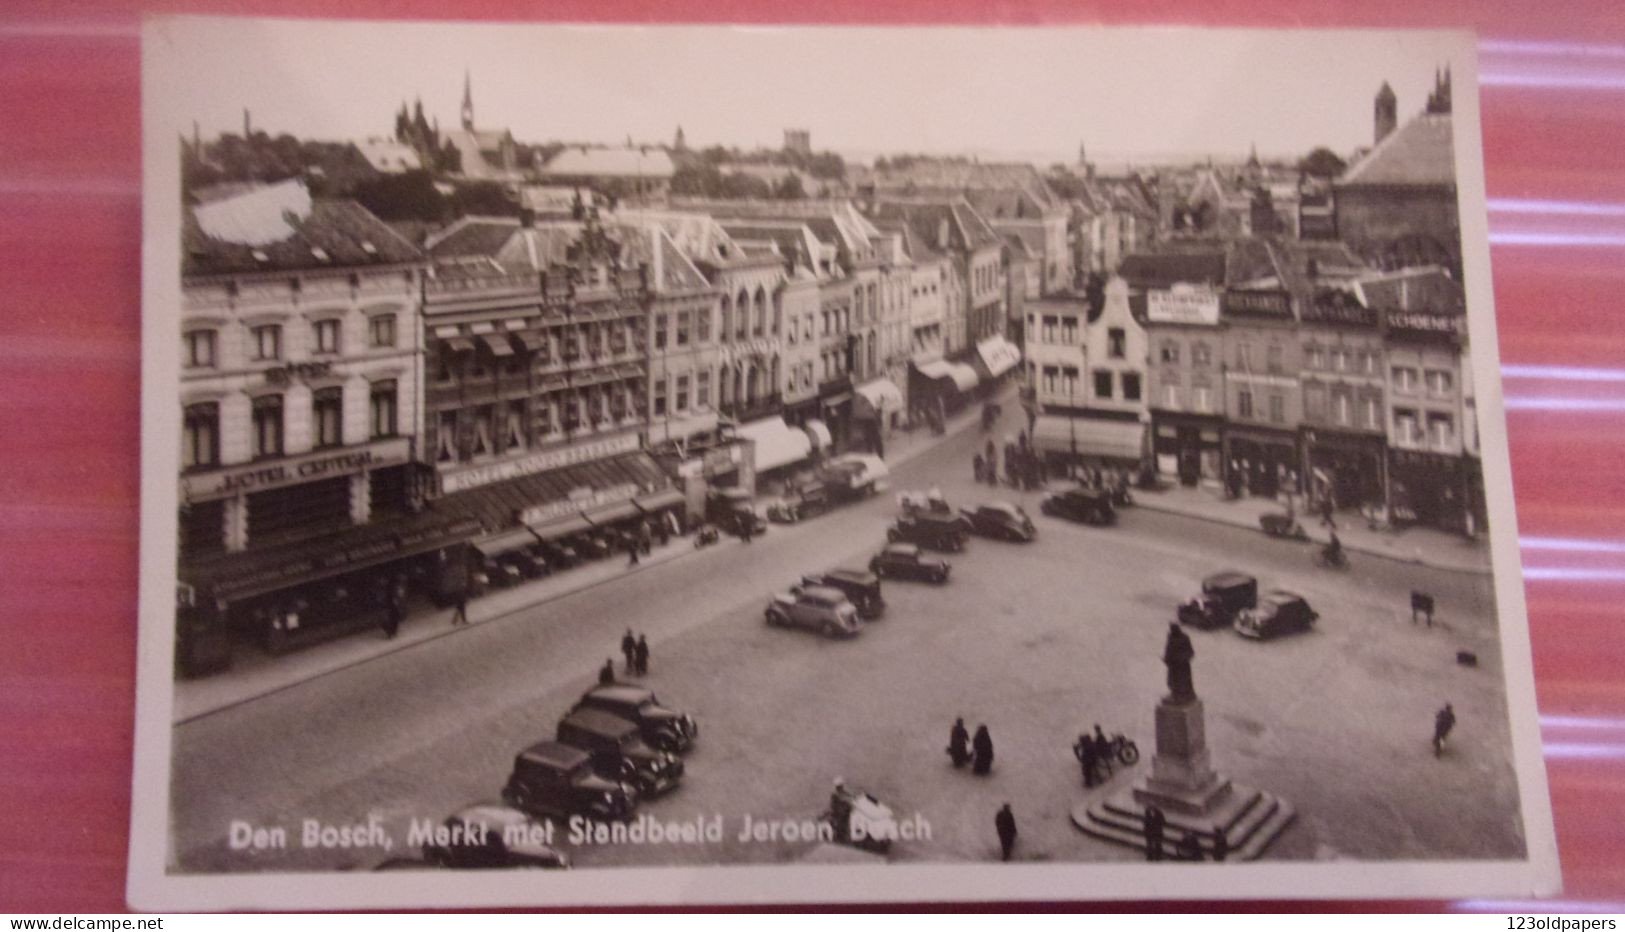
[[468, 101]]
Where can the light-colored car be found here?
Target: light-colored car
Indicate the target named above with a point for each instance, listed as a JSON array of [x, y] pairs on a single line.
[[1278, 612], [816, 608]]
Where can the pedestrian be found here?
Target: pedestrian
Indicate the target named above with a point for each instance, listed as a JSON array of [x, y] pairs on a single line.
[[1221, 843], [976, 467], [1155, 821], [1443, 722], [1103, 748], [629, 647], [459, 615], [645, 536], [631, 553], [959, 743], [1189, 847], [1084, 750], [1005, 824], [982, 744], [990, 452], [641, 656], [744, 529], [606, 673], [1326, 511]]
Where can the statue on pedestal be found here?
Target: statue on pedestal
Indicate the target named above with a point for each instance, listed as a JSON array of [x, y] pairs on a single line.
[[1177, 654]]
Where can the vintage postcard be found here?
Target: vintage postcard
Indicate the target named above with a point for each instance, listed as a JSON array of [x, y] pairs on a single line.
[[656, 465]]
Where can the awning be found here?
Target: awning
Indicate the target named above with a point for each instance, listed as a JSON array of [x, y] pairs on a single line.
[[562, 527], [777, 444], [670, 498], [531, 340], [505, 543], [609, 514], [460, 345], [1094, 437], [818, 433], [498, 344], [998, 355], [878, 397], [963, 376]]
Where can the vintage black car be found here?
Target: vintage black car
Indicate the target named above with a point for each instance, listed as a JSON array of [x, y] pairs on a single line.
[[933, 531], [1080, 504], [861, 586], [1223, 595], [491, 836], [662, 728], [1000, 520], [905, 561], [529, 561], [618, 751], [815, 608], [551, 778], [560, 553], [1278, 612], [731, 511]]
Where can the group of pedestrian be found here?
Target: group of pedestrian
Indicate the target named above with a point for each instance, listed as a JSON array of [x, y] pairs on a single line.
[[976, 751], [1189, 845], [635, 650], [641, 541], [1094, 752], [1023, 467]]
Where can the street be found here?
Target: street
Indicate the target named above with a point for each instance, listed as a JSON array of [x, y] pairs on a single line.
[[1039, 641]]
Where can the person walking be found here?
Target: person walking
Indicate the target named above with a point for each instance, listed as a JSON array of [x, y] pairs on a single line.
[[959, 744], [1221, 844], [1103, 749], [1155, 822], [1326, 511], [392, 617], [1443, 722], [645, 536], [1084, 750], [641, 656], [629, 647], [631, 552], [1005, 824], [459, 615], [982, 745], [1189, 847], [976, 467], [606, 673]]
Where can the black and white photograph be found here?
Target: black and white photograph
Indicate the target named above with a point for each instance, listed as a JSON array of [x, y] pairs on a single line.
[[700, 465]]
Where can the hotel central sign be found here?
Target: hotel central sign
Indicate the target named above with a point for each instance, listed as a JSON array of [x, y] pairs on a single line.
[[476, 476]]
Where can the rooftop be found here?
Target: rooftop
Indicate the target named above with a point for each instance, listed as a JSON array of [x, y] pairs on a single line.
[[618, 162], [1421, 152], [281, 228]]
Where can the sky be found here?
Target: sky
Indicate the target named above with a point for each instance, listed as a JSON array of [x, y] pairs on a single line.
[[1032, 94]]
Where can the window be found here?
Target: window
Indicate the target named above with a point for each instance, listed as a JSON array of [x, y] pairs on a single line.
[[661, 323], [1440, 431], [381, 330], [383, 406], [327, 337], [1272, 358], [702, 390], [1369, 367], [1404, 379], [545, 421], [1103, 383], [1406, 430], [1277, 409], [1051, 373], [1345, 408], [660, 398], [1169, 352], [1201, 355], [200, 436], [484, 440], [618, 397], [267, 426], [266, 342], [1244, 357], [1313, 358], [1438, 382], [1314, 402], [446, 437], [1069, 331], [1170, 396], [1131, 386], [197, 349], [682, 394], [1115, 340], [702, 325], [1244, 403], [1069, 380], [682, 328], [1049, 328], [1373, 417], [513, 435], [1202, 399]]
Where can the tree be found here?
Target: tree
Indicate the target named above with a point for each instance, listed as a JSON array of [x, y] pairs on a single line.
[[789, 188], [407, 196], [1322, 163]]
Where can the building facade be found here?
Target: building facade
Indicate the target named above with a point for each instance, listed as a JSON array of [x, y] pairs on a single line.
[[1187, 386], [1344, 406]]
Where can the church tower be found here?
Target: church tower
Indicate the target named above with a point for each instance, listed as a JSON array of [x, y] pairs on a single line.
[[468, 102], [679, 144], [1386, 115]]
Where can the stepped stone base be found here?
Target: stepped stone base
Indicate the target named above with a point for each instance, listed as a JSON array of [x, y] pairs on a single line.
[[1251, 819]]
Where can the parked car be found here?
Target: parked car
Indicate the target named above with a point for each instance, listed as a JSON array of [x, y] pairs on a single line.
[[662, 728], [855, 475], [1088, 506], [816, 608], [499, 571], [931, 530], [618, 751], [551, 778], [529, 561], [1278, 612], [560, 553], [905, 561], [731, 510], [860, 586], [1223, 595], [807, 500], [1000, 520], [488, 836]]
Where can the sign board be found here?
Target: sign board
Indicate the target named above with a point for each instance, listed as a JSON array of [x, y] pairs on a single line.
[[475, 476], [1182, 305], [310, 467], [579, 500], [1257, 303]]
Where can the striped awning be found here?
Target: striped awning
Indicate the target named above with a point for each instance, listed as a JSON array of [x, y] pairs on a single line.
[[1094, 438]]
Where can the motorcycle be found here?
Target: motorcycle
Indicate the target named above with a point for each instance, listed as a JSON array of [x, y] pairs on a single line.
[[860, 820], [1328, 558]]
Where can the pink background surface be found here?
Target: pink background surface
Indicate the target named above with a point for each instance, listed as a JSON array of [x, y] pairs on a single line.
[[70, 183]]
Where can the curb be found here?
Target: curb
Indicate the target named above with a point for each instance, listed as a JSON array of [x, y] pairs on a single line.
[[1141, 502]]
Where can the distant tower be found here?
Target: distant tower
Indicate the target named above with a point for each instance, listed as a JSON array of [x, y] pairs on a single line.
[[1083, 157], [1386, 113], [798, 140], [1439, 100], [679, 144], [468, 101], [248, 125]]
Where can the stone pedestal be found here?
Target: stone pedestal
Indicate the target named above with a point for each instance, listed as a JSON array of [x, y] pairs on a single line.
[[1193, 796]]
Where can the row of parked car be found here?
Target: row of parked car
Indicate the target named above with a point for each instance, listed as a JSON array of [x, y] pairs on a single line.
[[1230, 600], [618, 746]]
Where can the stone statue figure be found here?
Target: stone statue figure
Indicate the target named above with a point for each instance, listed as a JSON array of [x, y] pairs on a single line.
[[1177, 654]]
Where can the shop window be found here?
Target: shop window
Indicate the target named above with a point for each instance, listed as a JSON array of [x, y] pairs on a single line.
[[381, 331], [265, 342], [681, 401], [1103, 383], [1244, 403], [200, 436], [515, 434], [1131, 386], [443, 365], [197, 349], [327, 337], [384, 408], [267, 426], [445, 437], [1116, 341]]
